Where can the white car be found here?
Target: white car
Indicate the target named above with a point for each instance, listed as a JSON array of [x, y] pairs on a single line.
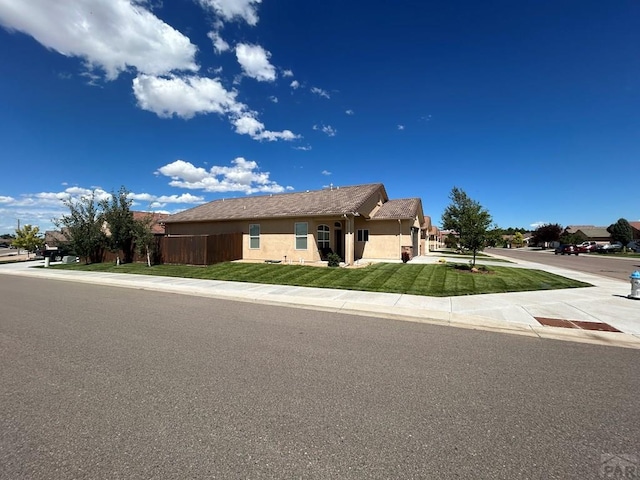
[[610, 247]]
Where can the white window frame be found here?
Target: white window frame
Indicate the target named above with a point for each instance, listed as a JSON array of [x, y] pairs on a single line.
[[300, 237], [324, 236], [363, 235], [253, 236]]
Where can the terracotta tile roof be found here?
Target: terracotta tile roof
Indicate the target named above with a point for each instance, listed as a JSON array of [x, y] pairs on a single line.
[[334, 201], [394, 209]]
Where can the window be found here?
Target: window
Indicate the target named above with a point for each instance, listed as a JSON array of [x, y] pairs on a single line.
[[254, 235], [363, 235], [301, 230], [323, 237]]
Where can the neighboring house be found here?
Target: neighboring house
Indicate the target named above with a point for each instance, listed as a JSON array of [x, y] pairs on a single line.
[[508, 240], [592, 233], [434, 237], [356, 222], [635, 227], [54, 238], [157, 221]]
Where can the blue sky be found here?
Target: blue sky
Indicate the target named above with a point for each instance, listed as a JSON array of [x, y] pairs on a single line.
[[532, 108]]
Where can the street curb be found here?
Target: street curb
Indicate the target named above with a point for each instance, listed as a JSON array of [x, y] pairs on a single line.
[[255, 294]]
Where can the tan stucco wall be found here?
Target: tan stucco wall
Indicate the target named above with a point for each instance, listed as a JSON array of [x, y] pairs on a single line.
[[372, 204], [277, 237], [386, 238]]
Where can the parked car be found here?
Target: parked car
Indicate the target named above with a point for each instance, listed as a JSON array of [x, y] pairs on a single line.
[[565, 249], [586, 247], [609, 248], [55, 253], [634, 245]]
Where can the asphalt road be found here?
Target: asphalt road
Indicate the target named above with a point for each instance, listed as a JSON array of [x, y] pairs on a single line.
[[607, 265], [109, 383], [8, 251]]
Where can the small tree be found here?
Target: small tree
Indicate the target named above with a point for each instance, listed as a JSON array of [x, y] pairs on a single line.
[[546, 234], [144, 239], [494, 237], [621, 231], [28, 237], [469, 219], [451, 241], [119, 224], [518, 239], [573, 238], [83, 228]]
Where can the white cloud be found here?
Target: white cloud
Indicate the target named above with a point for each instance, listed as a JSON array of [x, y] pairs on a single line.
[[400, 127], [111, 35], [538, 224], [254, 61], [328, 129], [287, 73], [43, 207], [303, 148], [273, 98], [247, 124], [295, 84], [4, 199], [234, 9], [350, 112], [219, 44], [156, 202], [243, 176], [184, 198], [190, 96], [326, 172], [184, 97], [320, 92]]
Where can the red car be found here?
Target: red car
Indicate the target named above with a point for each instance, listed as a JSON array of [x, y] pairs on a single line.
[[567, 250], [586, 247]]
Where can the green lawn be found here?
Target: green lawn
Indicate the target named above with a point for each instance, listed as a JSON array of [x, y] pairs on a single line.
[[431, 280]]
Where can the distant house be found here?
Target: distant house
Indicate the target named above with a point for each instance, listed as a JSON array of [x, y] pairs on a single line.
[[157, 221], [356, 222], [55, 238], [590, 232], [434, 236], [635, 227]]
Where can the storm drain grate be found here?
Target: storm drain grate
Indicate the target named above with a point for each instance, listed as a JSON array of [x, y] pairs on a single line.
[[558, 322]]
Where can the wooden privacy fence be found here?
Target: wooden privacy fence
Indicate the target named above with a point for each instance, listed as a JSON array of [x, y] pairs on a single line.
[[192, 250], [201, 249]]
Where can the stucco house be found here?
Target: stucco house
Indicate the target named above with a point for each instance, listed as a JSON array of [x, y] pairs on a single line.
[[356, 222]]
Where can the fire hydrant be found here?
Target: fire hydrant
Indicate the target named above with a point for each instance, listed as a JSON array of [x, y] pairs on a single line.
[[635, 285]]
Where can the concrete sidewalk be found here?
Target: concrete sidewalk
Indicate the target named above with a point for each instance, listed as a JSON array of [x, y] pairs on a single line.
[[582, 312]]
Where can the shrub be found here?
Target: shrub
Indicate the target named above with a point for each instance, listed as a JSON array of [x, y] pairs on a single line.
[[333, 259]]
